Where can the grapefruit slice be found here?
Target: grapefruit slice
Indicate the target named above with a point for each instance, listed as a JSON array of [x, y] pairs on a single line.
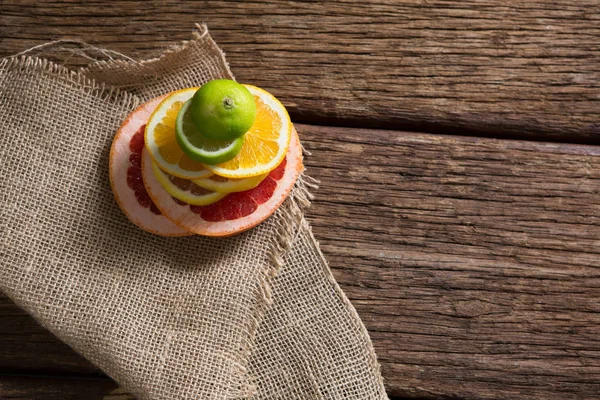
[[236, 212], [126, 175]]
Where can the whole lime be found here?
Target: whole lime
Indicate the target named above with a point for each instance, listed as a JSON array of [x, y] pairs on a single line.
[[223, 109]]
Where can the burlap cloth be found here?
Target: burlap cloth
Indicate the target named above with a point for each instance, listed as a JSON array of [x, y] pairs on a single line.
[[257, 315]]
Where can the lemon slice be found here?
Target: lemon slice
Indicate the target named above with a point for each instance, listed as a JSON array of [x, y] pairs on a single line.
[[221, 184], [161, 141], [185, 190], [265, 144]]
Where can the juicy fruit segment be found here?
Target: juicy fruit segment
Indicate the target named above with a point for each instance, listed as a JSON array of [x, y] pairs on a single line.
[[242, 204], [126, 175], [184, 189], [161, 141], [134, 172], [220, 184], [266, 142], [200, 148], [223, 109], [236, 212]]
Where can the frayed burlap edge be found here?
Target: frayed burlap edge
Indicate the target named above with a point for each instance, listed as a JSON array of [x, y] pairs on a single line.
[[373, 356], [86, 85], [198, 35], [200, 32], [287, 218]]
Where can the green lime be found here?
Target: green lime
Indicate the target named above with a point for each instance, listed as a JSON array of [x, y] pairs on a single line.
[[223, 109], [197, 146]]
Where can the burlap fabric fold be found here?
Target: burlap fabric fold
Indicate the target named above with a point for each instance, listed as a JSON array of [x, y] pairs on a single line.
[[258, 315]]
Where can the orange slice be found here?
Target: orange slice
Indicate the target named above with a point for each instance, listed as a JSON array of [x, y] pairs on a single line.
[[265, 144], [161, 140]]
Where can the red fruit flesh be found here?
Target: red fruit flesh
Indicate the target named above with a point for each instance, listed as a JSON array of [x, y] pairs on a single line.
[[126, 175], [134, 172], [236, 212], [242, 204]]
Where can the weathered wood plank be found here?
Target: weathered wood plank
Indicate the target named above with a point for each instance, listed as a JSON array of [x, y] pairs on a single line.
[[473, 262], [58, 388], [65, 388], [524, 67], [26, 347]]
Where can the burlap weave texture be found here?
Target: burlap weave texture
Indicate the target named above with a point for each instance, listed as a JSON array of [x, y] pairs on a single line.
[[255, 315]]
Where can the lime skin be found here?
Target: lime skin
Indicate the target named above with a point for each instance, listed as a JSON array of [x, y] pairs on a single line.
[[223, 109], [200, 148]]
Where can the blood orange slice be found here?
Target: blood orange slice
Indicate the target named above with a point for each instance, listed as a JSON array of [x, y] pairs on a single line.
[[236, 212], [125, 175]]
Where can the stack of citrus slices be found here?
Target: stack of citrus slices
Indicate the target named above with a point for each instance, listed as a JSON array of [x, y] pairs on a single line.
[[179, 167]]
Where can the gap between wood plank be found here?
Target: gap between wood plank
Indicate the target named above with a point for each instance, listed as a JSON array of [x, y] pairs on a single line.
[[526, 68], [437, 129]]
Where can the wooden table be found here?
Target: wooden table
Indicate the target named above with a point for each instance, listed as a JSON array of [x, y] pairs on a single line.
[[471, 249]]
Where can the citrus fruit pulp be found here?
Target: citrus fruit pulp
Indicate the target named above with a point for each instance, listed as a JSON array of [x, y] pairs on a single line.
[[161, 140], [266, 142], [184, 189], [236, 212], [220, 184], [126, 176], [199, 147], [223, 109]]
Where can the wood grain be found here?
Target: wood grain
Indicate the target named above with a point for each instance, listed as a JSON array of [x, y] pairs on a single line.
[[25, 347], [58, 388], [473, 262], [481, 67]]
